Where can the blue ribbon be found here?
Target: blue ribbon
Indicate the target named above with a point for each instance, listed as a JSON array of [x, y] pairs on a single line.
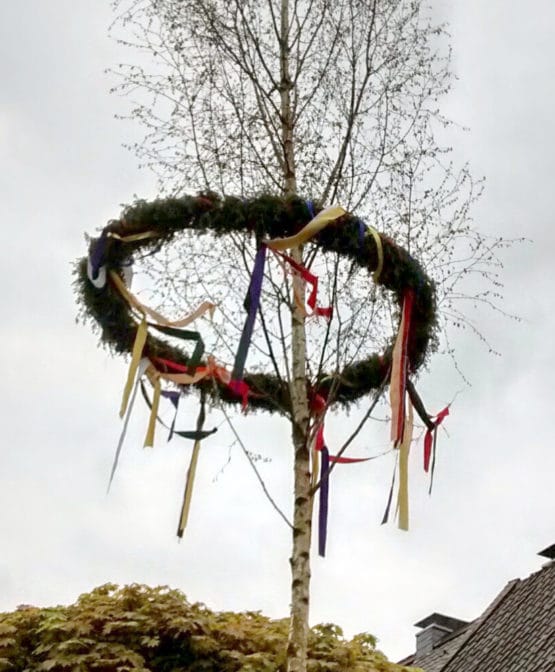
[[323, 505], [96, 255], [252, 301]]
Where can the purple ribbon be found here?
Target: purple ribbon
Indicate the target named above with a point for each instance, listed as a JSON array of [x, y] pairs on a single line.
[[389, 497], [361, 232], [174, 398], [96, 255], [252, 301], [323, 507]]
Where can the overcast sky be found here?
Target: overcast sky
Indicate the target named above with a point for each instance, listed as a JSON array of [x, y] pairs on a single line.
[[63, 172]]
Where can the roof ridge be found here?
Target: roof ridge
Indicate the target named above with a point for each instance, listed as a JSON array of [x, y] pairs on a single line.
[[477, 624]]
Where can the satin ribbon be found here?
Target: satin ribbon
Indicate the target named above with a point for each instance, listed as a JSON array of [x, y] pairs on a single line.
[[143, 364], [149, 438], [391, 488], [132, 300], [238, 387], [138, 345], [185, 335], [430, 434], [312, 280], [251, 304], [96, 270], [184, 378], [155, 377], [141, 335], [133, 237], [96, 257], [323, 502], [379, 251], [315, 225], [173, 396], [320, 448], [319, 441], [191, 472], [399, 366], [189, 483], [404, 450], [211, 369], [365, 230]]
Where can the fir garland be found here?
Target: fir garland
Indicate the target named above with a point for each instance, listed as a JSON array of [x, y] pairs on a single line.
[[264, 217]]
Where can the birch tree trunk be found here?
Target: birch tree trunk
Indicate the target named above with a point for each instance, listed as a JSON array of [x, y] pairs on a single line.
[[302, 516], [302, 502]]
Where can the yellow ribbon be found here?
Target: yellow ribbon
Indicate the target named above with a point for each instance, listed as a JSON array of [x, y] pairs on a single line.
[[320, 222], [140, 340], [404, 449], [133, 237], [134, 302], [379, 249], [315, 225], [149, 438], [188, 490], [183, 518]]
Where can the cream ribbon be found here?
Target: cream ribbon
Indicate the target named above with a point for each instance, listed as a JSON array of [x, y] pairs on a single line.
[[134, 302]]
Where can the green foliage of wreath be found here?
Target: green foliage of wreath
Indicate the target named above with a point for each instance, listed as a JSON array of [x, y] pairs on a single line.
[[264, 217], [141, 629]]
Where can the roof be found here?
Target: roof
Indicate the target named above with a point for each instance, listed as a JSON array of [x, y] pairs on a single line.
[[440, 655], [548, 552], [516, 633], [447, 622]]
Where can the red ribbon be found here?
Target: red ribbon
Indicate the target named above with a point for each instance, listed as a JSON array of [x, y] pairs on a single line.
[[312, 280], [238, 387], [317, 403], [428, 438], [171, 365], [333, 458], [400, 354]]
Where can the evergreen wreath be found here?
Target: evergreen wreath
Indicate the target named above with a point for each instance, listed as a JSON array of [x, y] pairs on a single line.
[[264, 217]]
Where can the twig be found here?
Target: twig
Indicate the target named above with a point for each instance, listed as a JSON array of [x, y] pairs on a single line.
[[251, 462]]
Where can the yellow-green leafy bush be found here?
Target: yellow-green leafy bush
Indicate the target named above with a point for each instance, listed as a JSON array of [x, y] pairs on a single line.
[[137, 628]]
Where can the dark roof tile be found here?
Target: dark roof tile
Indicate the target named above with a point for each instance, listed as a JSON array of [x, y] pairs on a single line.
[[516, 633]]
